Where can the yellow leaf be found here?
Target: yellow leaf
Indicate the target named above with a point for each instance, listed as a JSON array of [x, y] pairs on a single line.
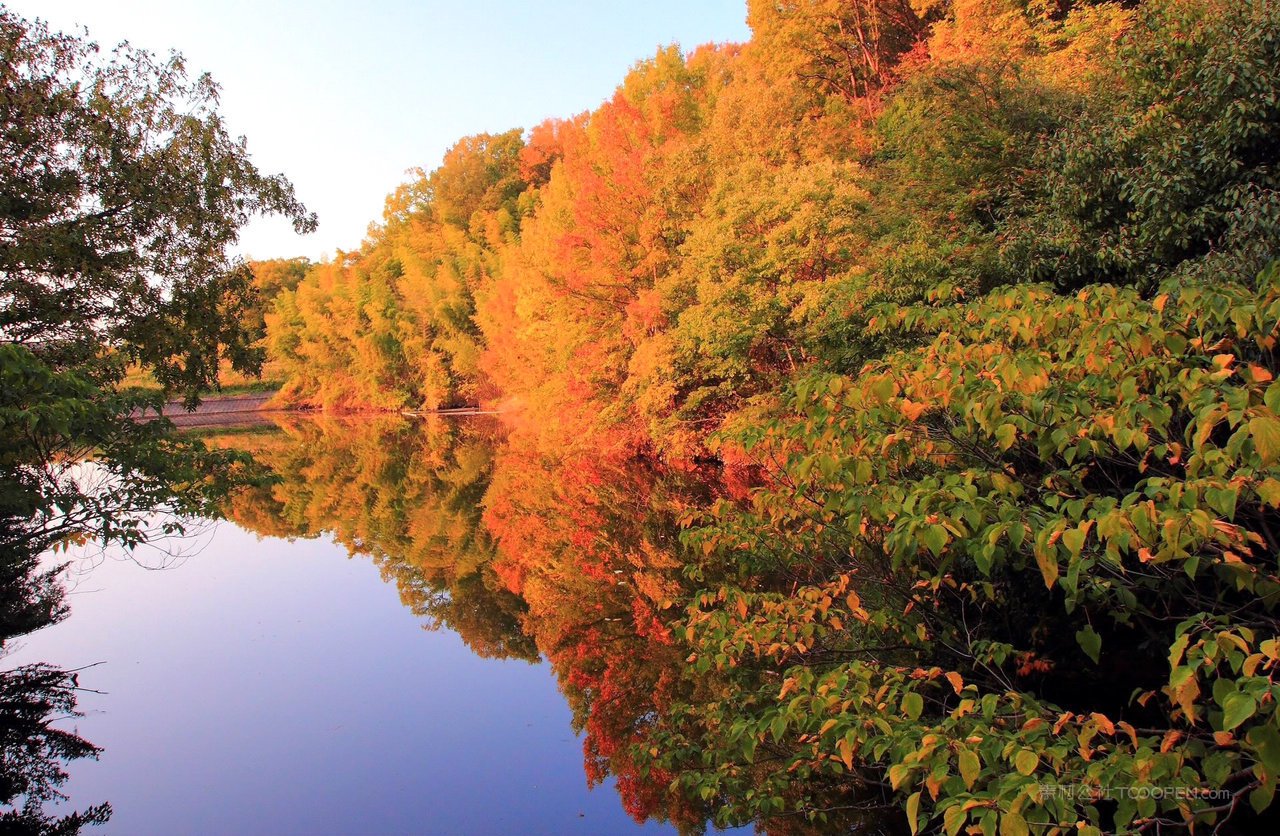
[[913, 812], [1012, 824], [1026, 761], [1265, 432], [970, 766], [1047, 560]]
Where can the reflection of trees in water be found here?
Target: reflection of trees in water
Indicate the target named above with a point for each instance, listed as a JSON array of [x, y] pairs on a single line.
[[591, 541], [408, 493], [573, 556], [586, 542], [33, 698]]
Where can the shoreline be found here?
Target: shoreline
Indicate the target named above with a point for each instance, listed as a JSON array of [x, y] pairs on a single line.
[[249, 409]]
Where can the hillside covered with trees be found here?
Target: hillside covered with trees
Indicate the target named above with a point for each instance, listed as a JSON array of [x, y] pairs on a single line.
[[972, 308]]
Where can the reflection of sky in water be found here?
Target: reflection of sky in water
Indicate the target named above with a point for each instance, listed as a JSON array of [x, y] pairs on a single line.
[[275, 687]]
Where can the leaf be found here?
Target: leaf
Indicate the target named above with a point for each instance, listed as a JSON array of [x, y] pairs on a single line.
[[1047, 560], [1006, 434], [1272, 397], [1260, 799], [1013, 824], [953, 819], [1266, 741], [970, 767], [1269, 492], [912, 705], [1026, 761], [956, 680], [779, 727], [846, 752], [913, 812], [912, 410], [935, 538], [1074, 539], [1265, 432], [1236, 708], [1090, 642]]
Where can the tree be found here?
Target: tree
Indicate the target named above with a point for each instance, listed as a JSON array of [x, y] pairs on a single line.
[[120, 193], [1174, 169]]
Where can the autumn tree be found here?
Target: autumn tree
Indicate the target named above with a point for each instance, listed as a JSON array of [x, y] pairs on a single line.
[[393, 325]]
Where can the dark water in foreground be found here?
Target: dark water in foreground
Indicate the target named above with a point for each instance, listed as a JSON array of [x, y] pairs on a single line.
[[275, 686]]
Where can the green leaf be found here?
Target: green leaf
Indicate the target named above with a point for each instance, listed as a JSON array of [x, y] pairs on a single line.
[[912, 705], [1272, 397], [1236, 708], [953, 819], [1073, 539], [779, 727], [1260, 799], [1266, 742], [1006, 434], [935, 538], [1090, 642], [1223, 500]]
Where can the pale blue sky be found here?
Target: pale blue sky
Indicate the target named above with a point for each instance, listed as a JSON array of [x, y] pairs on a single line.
[[343, 97]]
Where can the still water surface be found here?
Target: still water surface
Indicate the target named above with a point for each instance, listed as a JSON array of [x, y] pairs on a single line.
[[265, 685]]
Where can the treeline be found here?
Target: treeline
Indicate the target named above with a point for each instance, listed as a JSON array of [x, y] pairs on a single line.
[[980, 295], [730, 216]]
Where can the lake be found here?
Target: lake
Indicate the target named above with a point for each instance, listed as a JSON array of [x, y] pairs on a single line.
[[338, 658]]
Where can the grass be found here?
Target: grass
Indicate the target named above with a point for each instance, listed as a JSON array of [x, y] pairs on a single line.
[[233, 382]]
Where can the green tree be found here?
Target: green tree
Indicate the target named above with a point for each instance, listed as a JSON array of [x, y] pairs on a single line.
[[1173, 168], [120, 193]]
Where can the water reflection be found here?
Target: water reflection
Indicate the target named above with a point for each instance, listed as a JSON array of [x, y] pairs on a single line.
[[406, 493], [569, 554], [522, 553]]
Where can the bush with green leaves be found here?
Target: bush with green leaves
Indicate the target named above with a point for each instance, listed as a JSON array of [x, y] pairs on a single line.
[[1022, 573]]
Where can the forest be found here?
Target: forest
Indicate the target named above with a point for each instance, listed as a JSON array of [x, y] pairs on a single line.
[[890, 409], [888, 422]]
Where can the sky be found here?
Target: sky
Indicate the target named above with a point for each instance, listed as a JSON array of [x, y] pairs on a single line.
[[344, 98]]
